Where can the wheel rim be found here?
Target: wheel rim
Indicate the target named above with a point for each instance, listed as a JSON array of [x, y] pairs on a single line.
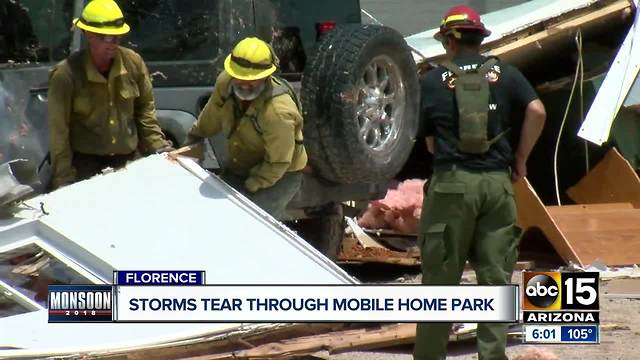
[[380, 106]]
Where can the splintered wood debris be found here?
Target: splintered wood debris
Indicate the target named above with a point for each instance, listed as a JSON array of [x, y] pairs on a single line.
[[354, 252], [364, 338]]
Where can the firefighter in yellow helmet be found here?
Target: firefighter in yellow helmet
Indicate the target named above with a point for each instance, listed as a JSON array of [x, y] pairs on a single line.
[[261, 120], [101, 107]]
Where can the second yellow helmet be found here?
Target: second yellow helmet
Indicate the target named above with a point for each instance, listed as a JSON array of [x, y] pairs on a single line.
[[251, 59]]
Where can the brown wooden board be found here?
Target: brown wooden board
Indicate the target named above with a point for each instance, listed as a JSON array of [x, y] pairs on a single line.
[[193, 151], [533, 214], [529, 45], [594, 222], [612, 180], [366, 338], [220, 343], [605, 225], [612, 246], [582, 209], [522, 49]]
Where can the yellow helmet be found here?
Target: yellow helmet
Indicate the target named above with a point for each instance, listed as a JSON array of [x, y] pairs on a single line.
[[102, 17], [251, 59]]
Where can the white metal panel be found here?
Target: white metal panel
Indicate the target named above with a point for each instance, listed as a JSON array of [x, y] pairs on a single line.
[[613, 91], [35, 337], [156, 215]]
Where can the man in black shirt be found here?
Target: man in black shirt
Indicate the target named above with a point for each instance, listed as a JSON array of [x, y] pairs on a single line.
[[469, 212]]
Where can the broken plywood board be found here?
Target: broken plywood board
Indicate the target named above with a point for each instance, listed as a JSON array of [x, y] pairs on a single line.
[[353, 252], [533, 213], [232, 341], [612, 180], [522, 48], [340, 341], [519, 33], [581, 233]]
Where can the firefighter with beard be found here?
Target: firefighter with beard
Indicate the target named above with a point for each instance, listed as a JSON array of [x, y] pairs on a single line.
[[260, 118]]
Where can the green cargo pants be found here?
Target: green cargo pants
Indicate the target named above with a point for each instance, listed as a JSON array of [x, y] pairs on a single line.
[[467, 215], [274, 199]]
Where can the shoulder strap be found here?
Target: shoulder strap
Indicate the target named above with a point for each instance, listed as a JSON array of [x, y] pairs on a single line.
[[282, 87], [487, 65], [449, 65], [482, 69]]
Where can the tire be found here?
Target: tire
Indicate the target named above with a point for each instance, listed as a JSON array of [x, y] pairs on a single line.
[[325, 232], [360, 97]]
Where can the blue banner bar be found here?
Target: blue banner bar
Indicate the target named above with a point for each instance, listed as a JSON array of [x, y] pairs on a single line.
[[156, 278], [580, 334]]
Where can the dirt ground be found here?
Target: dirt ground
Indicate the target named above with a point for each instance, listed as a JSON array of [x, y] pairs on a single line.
[[620, 338]]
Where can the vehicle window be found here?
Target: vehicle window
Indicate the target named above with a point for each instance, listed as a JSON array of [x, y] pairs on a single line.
[[172, 30], [35, 30]]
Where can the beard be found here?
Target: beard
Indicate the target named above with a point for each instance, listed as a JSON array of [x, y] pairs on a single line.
[[246, 93]]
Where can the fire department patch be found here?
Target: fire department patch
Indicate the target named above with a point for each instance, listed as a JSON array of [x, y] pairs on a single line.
[[451, 82], [493, 76]]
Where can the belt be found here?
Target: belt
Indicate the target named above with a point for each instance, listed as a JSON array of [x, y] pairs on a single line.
[[454, 167], [105, 159]]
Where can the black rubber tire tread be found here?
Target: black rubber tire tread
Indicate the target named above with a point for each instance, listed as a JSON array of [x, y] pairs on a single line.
[[313, 103], [335, 149]]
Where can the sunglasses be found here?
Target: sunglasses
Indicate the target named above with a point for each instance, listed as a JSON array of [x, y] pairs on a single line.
[[111, 39]]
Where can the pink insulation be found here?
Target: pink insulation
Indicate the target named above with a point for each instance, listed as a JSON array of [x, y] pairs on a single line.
[[399, 210]]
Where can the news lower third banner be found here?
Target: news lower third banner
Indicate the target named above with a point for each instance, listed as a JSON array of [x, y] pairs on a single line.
[[164, 298]]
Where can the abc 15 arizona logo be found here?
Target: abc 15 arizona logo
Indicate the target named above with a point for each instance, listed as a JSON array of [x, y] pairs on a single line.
[[559, 297]]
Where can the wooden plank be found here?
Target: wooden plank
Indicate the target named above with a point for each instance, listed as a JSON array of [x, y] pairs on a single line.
[[193, 151], [360, 339], [627, 219], [614, 247], [533, 214], [219, 343], [520, 49], [613, 180], [588, 208], [354, 253]]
